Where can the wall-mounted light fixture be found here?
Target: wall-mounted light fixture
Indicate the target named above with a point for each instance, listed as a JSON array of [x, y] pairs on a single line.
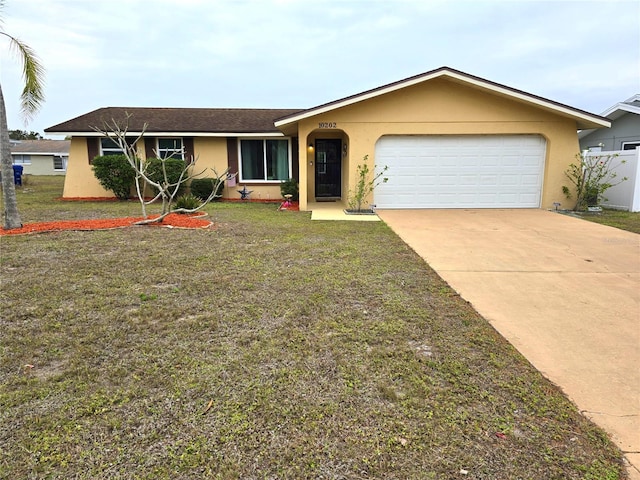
[[310, 148], [344, 149]]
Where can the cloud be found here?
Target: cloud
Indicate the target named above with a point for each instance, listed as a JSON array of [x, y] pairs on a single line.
[[296, 53]]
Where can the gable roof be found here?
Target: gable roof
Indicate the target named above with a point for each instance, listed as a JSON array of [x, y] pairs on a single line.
[[630, 105], [584, 119], [183, 121], [40, 147]]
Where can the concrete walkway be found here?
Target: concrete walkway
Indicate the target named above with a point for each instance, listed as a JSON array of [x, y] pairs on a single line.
[[335, 211], [564, 291]]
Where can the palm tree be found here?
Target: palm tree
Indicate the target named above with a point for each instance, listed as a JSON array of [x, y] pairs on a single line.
[[31, 98]]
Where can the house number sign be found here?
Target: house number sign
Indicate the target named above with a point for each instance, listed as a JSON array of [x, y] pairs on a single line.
[[327, 125]]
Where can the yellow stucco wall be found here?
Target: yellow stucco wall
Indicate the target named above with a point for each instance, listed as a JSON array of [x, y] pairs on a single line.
[[211, 153], [80, 180], [441, 107]]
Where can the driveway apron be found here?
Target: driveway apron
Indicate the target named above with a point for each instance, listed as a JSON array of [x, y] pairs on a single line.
[[564, 291]]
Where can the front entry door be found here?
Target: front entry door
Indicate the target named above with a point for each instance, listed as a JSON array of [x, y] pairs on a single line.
[[328, 168]]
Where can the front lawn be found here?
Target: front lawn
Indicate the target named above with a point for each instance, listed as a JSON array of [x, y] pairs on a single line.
[[267, 347], [629, 221]]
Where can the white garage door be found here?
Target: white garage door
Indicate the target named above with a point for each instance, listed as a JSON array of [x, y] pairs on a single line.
[[469, 171]]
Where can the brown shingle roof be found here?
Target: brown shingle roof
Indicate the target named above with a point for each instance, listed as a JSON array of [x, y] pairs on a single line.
[[179, 120], [41, 146]]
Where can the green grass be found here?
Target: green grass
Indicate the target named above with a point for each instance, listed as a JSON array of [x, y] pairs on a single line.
[[629, 221], [271, 347]]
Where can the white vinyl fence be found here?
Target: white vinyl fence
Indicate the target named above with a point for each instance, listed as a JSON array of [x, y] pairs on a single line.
[[626, 195]]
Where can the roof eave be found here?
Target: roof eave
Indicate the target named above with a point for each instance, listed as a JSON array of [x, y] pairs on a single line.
[[621, 107], [257, 133]]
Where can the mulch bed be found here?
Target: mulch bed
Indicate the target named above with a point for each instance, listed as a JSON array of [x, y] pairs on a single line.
[[173, 220]]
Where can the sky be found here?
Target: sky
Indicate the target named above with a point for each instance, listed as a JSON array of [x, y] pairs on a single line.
[[303, 53]]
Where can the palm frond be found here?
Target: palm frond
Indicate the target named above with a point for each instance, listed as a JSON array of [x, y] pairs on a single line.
[[33, 73]]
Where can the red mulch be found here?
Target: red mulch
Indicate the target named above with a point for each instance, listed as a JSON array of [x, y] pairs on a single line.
[[173, 220]]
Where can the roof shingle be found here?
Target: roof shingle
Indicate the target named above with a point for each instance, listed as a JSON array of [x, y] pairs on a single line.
[[41, 147], [178, 120]]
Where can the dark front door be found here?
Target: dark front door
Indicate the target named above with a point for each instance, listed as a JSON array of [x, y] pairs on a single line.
[[328, 168]]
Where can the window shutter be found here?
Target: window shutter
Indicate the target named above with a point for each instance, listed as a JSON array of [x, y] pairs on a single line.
[[93, 148], [295, 159], [189, 153], [232, 154], [149, 146]]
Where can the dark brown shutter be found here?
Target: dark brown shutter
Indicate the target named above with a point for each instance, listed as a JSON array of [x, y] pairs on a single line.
[[295, 159], [189, 152], [93, 148], [232, 155], [149, 146]]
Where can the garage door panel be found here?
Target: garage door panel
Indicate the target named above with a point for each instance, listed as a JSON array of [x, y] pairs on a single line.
[[428, 180], [460, 171], [509, 180], [466, 180], [530, 180], [489, 180]]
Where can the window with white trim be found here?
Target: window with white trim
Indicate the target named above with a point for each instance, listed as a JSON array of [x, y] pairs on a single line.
[[170, 148], [630, 145], [109, 147], [59, 163], [21, 159], [265, 160]]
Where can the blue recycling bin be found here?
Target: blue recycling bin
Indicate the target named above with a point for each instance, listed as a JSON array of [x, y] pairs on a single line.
[[17, 174]]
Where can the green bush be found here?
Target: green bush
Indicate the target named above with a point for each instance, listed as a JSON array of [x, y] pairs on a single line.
[[115, 174], [174, 168], [289, 187], [202, 188], [188, 202]]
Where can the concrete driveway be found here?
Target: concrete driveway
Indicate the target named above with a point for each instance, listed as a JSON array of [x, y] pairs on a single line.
[[565, 292]]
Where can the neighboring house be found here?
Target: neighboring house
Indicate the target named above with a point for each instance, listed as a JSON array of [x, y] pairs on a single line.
[[624, 133], [41, 157], [450, 140], [621, 140]]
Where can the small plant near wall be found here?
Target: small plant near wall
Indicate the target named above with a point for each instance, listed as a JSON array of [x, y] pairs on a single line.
[[590, 177], [364, 187], [203, 188], [187, 202], [289, 187]]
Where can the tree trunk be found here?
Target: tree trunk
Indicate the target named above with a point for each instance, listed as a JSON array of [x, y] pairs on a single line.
[[10, 202]]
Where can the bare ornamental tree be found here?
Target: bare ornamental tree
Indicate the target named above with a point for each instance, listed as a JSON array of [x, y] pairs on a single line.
[[167, 190]]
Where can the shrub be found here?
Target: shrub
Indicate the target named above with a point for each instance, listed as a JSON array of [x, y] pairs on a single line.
[[289, 187], [115, 174], [591, 176], [365, 185], [173, 167], [202, 188], [188, 202]]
